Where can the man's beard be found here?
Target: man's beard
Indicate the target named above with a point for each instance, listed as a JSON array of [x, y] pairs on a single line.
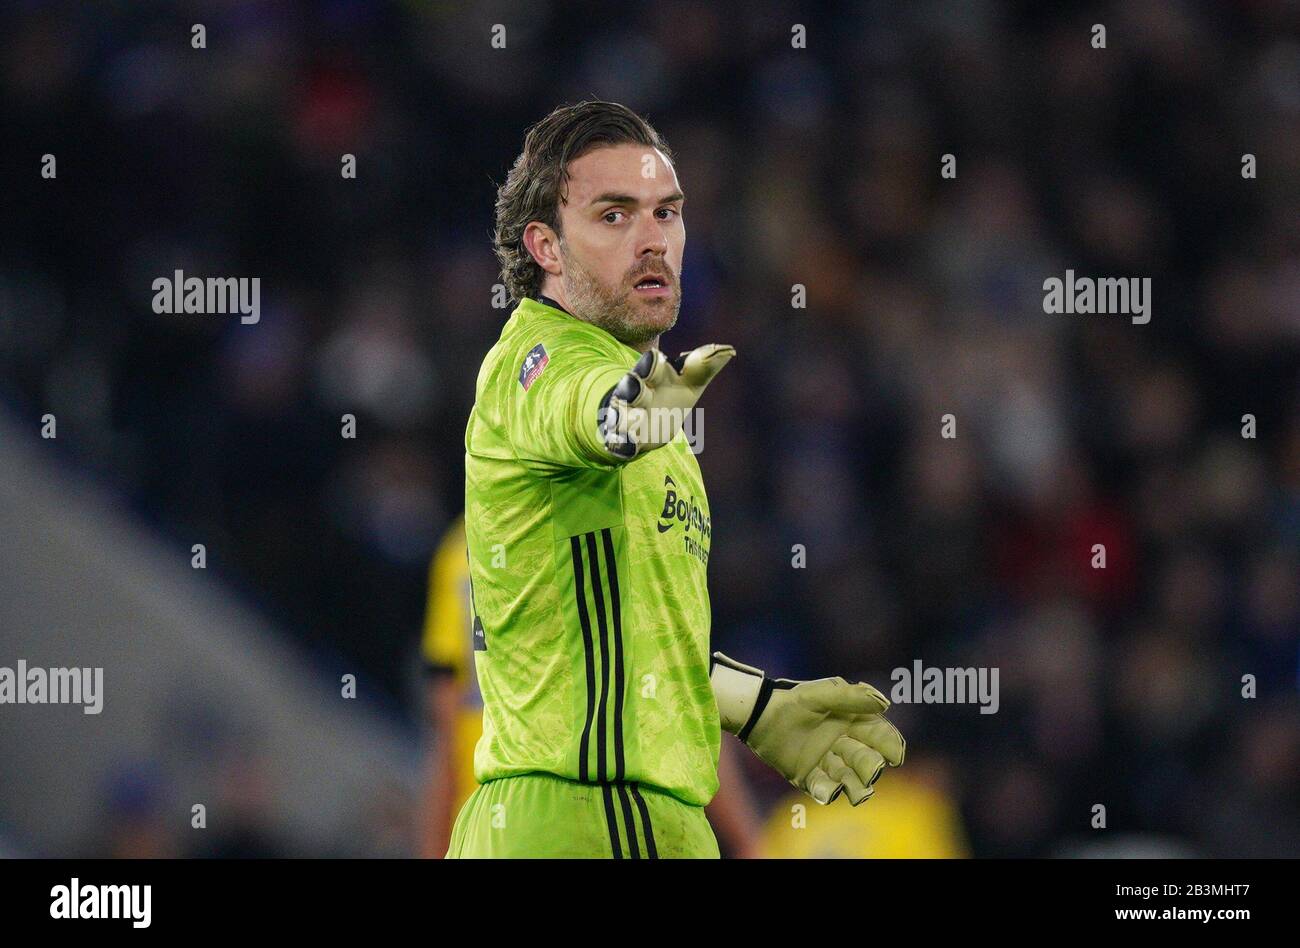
[[612, 310]]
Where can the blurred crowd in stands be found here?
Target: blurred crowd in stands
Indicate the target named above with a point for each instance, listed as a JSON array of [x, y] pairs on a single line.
[[1120, 686]]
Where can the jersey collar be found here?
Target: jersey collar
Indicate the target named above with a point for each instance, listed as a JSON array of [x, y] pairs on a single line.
[[547, 301]]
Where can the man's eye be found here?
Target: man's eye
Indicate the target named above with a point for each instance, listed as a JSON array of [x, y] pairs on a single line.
[[668, 210], [609, 214]]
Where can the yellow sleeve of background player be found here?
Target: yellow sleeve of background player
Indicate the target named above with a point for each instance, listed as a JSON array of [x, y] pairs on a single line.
[[446, 642]]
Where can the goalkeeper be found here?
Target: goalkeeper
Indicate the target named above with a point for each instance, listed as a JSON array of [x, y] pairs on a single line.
[[588, 531]]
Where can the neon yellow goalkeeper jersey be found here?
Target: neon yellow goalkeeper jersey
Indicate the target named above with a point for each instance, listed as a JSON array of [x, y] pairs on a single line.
[[591, 610]]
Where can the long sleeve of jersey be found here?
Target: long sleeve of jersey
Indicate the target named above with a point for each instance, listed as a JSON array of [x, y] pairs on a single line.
[[544, 388]]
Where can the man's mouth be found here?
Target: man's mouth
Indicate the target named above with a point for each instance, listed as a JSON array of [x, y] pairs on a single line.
[[652, 286]]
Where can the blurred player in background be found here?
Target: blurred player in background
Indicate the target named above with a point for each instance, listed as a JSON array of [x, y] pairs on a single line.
[[917, 819], [453, 705], [454, 716]]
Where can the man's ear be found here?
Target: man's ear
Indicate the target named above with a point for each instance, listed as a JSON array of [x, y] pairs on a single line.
[[543, 243]]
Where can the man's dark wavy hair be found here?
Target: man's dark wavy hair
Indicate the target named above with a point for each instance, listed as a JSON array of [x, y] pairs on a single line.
[[538, 179]]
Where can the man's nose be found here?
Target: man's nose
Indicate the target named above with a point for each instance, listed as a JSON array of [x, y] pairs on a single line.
[[651, 238]]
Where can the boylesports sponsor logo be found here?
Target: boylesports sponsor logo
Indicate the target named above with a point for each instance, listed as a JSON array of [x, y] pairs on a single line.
[[692, 517]]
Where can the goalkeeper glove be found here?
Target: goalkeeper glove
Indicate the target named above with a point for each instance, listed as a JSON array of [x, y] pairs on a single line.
[[648, 406], [825, 736]]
